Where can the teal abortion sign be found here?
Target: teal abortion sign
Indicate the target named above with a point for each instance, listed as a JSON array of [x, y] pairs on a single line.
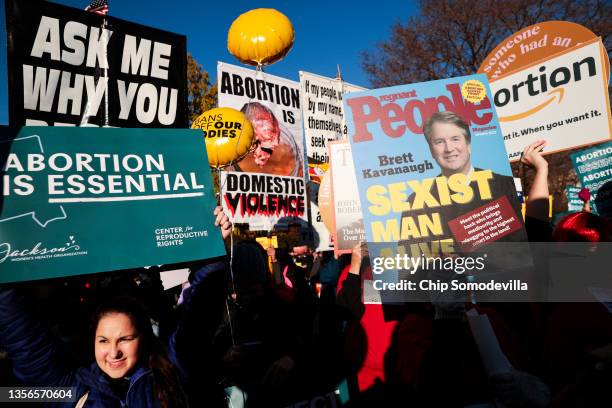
[[86, 200], [594, 169], [574, 203]]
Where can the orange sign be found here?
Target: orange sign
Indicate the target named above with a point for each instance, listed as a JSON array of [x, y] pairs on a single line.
[[534, 43], [325, 204]]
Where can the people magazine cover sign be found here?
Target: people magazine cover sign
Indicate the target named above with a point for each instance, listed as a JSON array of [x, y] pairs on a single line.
[[85, 200], [432, 172], [67, 67], [272, 187]]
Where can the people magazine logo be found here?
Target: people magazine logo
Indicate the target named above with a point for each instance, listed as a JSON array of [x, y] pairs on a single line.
[[40, 251]]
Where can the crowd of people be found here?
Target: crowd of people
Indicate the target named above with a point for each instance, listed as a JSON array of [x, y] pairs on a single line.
[[285, 327]]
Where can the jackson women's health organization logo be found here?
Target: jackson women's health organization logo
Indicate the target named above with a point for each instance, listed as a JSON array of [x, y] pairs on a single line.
[[39, 251]]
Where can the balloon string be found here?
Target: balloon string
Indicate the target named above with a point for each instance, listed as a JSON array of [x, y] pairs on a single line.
[[218, 194], [219, 175], [231, 268], [239, 137], [231, 263], [229, 317]]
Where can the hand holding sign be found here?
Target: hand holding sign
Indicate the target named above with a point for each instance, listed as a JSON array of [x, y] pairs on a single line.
[[532, 155], [223, 222]]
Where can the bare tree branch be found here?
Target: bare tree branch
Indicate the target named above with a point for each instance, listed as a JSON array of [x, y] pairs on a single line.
[[452, 37]]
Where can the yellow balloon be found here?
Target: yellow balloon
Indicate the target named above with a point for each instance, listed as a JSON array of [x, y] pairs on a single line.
[[228, 135], [260, 37]]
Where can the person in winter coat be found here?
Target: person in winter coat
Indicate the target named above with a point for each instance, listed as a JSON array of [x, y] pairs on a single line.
[[131, 367]]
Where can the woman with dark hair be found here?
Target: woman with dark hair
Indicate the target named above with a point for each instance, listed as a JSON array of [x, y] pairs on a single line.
[[132, 367], [126, 348]]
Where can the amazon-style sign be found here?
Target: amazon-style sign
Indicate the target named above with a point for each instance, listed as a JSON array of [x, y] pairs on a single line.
[[532, 85], [562, 99]]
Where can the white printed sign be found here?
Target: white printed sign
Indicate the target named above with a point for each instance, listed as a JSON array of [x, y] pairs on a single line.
[[563, 100]]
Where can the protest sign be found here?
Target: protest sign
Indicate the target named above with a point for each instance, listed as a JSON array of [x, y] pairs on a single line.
[[72, 68], [316, 176], [545, 100], [323, 223], [323, 241], [348, 220], [261, 200], [272, 104], [94, 200], [537, 42], [457, 189], [574, 203], [324, 201], [171, 279], [594, 169], [323, 122], [322, 112], [267, 242]]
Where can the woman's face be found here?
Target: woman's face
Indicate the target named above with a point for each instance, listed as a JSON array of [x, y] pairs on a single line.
[[116, 345]]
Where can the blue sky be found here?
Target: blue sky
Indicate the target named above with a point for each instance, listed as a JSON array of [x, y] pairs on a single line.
[[327, 32]]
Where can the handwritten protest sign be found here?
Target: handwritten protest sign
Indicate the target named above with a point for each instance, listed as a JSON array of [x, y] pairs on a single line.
[[323, 113], [324, 122]]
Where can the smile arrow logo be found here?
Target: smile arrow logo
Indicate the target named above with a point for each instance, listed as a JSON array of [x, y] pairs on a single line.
[[555, 92]]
